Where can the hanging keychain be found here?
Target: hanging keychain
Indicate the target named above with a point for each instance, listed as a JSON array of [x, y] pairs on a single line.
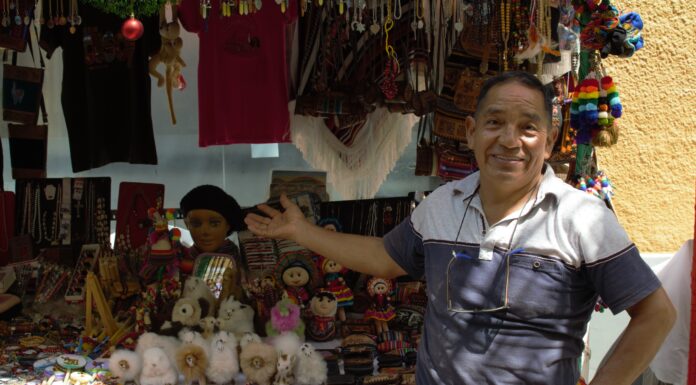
[[388, 86], [374, 28]]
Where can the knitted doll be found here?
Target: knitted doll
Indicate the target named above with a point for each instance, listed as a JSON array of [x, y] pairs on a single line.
[[297, 273], [322, 325], [381, 309], [334, 273], [333, 277]]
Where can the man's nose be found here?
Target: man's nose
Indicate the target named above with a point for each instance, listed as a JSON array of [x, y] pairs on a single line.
[[509, 136]]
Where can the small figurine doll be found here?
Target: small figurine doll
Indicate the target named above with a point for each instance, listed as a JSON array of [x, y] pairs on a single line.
[[165, 249], [297, 273], [333, 277], [265, 293], [334, 273], [322, 325], [381, 310]]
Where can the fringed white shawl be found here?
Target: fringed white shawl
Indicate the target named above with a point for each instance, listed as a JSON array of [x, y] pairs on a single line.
[[358, 171]]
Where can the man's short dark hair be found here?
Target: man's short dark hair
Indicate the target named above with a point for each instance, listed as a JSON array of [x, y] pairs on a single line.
[[523, 78]]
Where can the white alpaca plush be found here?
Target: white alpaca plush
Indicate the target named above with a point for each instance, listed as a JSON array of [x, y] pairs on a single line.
[[247, 338], [152, 340], [210, 326], [236, 317], [223, 363], [157, 369], [195, 288], [287, 343], [310, 367], [188, 336], [125, 365], [285, 369]]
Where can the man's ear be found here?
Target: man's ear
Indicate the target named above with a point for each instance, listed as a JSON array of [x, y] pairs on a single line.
[[470, 127], [550, 141]]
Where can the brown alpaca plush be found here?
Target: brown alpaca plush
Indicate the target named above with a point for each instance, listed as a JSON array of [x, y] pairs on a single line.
[[192, 363], [258, 363]]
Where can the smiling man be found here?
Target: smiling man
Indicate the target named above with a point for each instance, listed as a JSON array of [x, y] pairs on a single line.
[[514, 258]]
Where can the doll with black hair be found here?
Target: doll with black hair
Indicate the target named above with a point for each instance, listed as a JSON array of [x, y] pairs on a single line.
[[297, 273], [211, 215], [334, 273]]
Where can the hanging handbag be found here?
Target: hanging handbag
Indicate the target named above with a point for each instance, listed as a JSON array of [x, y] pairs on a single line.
[[28, 149], [466, 69], [13, 36], [454, 162], [22, 89], [7, 214], [425, 156], [132, 221]]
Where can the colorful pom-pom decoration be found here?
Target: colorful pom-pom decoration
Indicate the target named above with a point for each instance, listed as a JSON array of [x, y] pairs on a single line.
[[598, 185]]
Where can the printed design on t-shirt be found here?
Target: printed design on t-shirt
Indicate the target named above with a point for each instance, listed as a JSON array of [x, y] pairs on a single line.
[[104, 48], [240, 37]]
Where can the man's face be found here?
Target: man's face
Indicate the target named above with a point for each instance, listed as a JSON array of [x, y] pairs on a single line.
[[510, 137], [208, 229]]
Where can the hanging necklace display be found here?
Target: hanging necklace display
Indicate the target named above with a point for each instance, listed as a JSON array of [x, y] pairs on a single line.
[[458, 17], [38, 17], [51, 233], [36, 230], [62, 21], [419, 13], [357, 24], [26, 18], [74, 19], [102, 222], [26, 210], [5, 17], [50, 23], [391, 70], [374, 28], [17, 18], [396, 15], [505, 30], [205, 8]]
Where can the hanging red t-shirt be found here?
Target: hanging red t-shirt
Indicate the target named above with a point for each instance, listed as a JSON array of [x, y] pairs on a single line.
[[242, 75]]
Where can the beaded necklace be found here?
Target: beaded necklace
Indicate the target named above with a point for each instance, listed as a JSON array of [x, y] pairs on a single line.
[[52, 234], [36, 230], [26, 211], [505, 30], [6, 238]]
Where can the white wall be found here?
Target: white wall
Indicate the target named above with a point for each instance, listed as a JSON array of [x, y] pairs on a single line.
[[605, 327]]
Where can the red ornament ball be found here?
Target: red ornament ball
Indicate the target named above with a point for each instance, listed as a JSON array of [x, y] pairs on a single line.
[[132, 29]]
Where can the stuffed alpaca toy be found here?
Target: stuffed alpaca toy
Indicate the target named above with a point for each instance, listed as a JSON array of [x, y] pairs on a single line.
[[285, 368], [310, 367], [125, 365], [248, 338], [210, 326], [236, 317], [223, 363], [187, 313], [287, 343], [258, 363], [195, 288], [285, 317], [152, 340], [157, 370], [190, 336], [192, 362]]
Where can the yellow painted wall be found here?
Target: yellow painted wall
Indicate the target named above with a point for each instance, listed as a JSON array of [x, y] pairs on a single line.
[[653, 167]]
